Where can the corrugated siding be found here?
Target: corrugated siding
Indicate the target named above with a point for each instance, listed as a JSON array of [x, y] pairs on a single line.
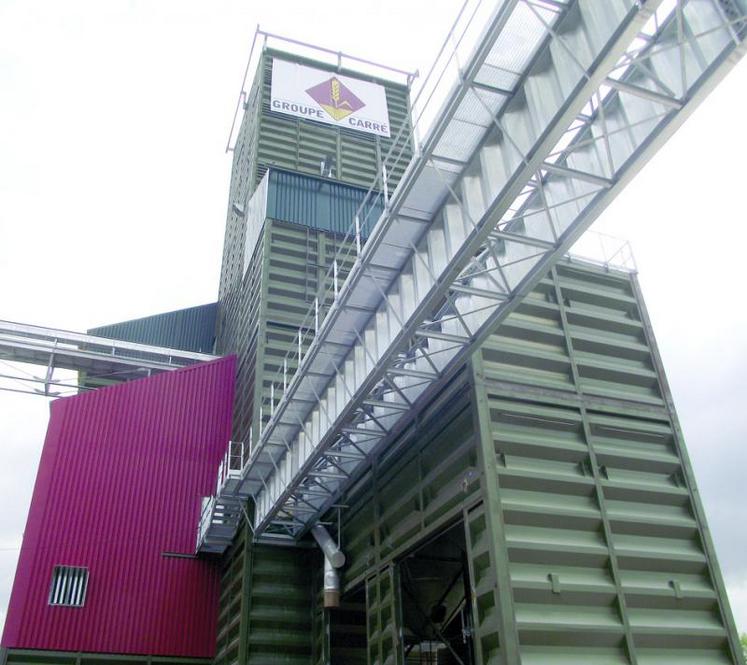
[[279, 605], [120, 482], [266, 604], [589, 537], [190, 329], [319, 203], [599, 536], [230, 648], [601, 318]]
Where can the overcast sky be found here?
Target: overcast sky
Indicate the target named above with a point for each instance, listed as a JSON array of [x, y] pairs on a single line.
[[113, 189]]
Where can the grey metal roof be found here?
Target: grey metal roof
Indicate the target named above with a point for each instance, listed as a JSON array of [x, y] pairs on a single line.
[[190, 329]]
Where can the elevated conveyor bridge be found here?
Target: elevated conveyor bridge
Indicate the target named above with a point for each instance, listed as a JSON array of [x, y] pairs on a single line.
[[98, 358], [557, 106]]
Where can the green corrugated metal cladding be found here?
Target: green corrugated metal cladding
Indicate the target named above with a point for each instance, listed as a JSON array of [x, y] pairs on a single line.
[[551, 476]]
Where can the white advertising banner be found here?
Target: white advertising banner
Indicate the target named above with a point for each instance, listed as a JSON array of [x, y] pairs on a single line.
[[328, 97]]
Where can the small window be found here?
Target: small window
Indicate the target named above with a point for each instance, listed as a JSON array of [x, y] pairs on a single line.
[[69, 586]]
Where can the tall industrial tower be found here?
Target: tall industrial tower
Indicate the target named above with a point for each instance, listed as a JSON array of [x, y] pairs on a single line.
[[438, 438]]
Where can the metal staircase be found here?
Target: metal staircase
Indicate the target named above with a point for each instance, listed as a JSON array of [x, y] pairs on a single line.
[[559, 105], [221, 513]]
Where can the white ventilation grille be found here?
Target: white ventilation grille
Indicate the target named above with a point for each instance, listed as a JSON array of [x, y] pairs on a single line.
[[69, 586]]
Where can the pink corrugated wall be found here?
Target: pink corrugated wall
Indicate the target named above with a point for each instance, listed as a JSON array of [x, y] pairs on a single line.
[[120, 482]]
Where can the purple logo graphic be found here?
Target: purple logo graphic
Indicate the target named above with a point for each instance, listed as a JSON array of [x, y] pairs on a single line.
[[335, 98]]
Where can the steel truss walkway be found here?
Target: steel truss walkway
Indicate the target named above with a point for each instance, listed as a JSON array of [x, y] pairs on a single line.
[[559, 105], [98, 357]]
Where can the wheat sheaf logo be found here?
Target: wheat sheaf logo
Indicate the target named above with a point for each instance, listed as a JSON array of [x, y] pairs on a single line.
[[335, 98]]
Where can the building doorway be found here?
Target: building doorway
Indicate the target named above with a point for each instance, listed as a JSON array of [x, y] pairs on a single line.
[[436, 608]]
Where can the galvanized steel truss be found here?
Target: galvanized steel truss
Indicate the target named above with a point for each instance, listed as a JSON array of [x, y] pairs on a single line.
[[530, 147]]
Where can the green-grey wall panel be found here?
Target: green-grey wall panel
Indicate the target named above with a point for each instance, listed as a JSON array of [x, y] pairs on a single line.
[[589, 504], [230, 647], [280, 606], [586, 540], [190, 329], [415, 489], [384, 618], [260, 321]]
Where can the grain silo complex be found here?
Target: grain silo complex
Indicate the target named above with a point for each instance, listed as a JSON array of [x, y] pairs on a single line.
[[413, 428]]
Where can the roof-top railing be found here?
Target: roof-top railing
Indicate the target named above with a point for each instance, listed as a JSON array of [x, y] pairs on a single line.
[[605, 251], [263, 40]]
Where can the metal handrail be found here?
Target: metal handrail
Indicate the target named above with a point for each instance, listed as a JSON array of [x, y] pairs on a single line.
[[339, 56], [231, 464], [604, 250]]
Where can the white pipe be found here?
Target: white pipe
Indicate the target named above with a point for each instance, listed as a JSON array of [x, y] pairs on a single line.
[[329, 546]]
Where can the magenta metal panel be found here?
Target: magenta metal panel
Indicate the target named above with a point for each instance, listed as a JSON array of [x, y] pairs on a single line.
[[118, 491]]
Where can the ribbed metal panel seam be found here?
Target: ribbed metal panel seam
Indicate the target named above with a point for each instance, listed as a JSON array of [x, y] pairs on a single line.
[[327, 205]]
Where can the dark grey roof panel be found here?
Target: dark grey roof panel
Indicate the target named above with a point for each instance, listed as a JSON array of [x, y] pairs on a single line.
[[190, 329]]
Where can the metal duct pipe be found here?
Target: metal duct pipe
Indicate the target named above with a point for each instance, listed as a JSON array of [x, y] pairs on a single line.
[[331, 552], [333, 558], [331, 584]]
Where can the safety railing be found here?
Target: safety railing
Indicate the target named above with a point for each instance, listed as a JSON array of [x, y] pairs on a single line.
[[206, 518], [221, 513], [230, 467], [604, 250]]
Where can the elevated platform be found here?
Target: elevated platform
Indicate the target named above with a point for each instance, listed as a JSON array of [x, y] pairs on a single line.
[[222, 512]]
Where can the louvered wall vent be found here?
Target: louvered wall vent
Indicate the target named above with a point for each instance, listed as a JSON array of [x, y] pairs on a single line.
[[69, 585]]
